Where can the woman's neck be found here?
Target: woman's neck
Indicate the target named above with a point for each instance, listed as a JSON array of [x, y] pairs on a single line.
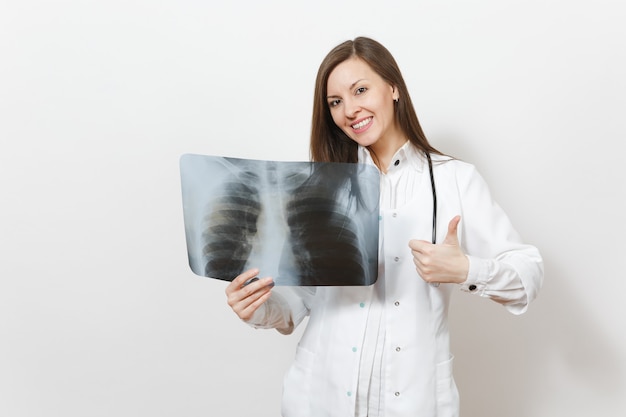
[[383, 151]]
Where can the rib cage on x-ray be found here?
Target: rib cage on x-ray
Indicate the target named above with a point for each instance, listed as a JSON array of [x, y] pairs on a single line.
[[302, 223], [232, 226], [322, 235]]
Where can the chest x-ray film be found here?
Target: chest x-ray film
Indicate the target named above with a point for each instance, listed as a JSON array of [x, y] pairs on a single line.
[[302, 223]]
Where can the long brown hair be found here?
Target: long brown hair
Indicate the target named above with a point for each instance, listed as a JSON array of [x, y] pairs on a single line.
[[328, 142]]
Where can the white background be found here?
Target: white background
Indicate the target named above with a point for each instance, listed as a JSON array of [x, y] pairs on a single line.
[[100, 314]]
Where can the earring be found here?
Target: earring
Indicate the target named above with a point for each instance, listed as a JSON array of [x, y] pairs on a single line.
[[396, 100]]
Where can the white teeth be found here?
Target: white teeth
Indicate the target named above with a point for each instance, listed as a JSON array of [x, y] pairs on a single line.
[[362, 123]]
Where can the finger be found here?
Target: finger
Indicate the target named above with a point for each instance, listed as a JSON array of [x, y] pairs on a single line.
[[250, 281], [417, 245], [248, 310], [240, 297], [451, 237], [241, 279], [246, 306], [255, 284]]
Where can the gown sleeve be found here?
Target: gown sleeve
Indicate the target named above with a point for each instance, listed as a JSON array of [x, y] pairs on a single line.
[[284, 310], [502, 267]]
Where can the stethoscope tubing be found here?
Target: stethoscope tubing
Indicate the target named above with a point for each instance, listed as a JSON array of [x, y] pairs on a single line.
[[432, 185]]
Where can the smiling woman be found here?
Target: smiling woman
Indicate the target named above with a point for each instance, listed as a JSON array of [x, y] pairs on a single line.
[[384, 349], [98, 307]]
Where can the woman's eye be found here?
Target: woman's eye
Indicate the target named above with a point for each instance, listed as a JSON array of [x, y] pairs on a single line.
[[360, 90], [334, 103]]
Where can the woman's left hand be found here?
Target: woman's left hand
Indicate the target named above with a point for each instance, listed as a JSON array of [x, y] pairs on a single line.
[[444, 262]]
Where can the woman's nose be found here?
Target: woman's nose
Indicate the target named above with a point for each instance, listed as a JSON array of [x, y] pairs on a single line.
[[351, 108]]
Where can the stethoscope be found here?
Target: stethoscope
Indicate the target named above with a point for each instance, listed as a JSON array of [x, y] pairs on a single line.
[[432, 186]]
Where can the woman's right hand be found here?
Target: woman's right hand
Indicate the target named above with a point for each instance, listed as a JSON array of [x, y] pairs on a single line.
[[246, 299]]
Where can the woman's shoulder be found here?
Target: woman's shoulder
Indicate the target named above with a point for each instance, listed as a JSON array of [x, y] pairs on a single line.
[[456, 171], [442, 163], [452, 164]]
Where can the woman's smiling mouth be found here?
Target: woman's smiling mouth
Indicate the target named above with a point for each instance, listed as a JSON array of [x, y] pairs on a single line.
[[361, 124]]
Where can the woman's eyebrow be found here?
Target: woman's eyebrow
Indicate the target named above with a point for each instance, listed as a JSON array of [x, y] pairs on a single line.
[[356, 82], [350, 88]]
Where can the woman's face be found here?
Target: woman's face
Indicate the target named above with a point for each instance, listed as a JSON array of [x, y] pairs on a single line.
[[362, 104]]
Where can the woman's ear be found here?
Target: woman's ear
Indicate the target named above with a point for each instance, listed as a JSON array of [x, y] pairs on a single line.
[[395, 93]]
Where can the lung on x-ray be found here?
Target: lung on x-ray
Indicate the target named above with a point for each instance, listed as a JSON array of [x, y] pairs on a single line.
[[302, 223]]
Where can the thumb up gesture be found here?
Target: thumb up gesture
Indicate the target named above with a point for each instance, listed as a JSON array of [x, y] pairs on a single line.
[[444, 262]]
